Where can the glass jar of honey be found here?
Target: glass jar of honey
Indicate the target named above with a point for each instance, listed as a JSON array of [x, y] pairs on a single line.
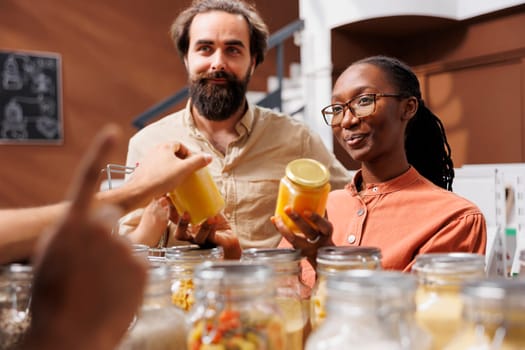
[[332, 261], [304, 187], [370, 310], [292, 295], [235, 308], [493, 316], [182, 261], [158, 324], [199, 196], [440, 276]]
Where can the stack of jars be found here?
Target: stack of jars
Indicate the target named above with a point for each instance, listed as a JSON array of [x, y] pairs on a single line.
[[292, 295]]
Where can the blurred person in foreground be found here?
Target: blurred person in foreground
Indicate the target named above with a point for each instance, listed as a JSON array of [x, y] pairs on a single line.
[[401, 199], [221, 42], [87, 282]]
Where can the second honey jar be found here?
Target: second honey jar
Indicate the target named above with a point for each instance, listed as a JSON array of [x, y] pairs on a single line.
[[304, 187]]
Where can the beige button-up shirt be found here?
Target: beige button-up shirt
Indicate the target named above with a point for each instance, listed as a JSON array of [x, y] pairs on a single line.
[[248, 174]]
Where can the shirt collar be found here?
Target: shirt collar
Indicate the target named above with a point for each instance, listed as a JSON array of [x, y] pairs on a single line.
[[396, 184]]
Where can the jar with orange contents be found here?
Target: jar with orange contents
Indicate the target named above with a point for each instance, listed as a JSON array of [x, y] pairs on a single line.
[[305, 187], [199, 196]]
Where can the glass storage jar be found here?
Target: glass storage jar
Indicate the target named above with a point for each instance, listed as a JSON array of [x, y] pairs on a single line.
[[493, 316], [332, 261], [440, 276], [15, 298], [199, 196], [305, 186], [292, 295], [235, 308], [159, 325], [370, 310], [182, 261]]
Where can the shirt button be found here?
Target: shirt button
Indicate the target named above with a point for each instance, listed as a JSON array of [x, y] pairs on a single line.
[[351, 239], [360, 212]]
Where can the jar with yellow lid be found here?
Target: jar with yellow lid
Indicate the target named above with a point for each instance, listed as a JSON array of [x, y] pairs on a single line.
[[235, 308], [440, 276], [493, 316], [370, 310], [292, 295], [181, 261], [198, 196], [305, 186], [332, 261]]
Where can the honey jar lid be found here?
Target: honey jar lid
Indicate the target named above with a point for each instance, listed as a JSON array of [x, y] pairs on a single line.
[[307, 172]]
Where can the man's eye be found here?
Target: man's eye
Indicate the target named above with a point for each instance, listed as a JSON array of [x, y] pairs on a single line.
[[337, 109], [234, 50], [204, 49]]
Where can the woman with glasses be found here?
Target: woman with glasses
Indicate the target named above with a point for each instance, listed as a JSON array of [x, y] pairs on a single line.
[[400, 200]]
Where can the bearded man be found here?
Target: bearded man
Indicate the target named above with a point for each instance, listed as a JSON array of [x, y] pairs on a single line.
[[221, 42]]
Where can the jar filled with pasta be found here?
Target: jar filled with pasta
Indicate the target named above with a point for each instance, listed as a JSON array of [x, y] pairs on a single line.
[[292, 295], [332, 261], [235, 308], [182, 261], [158, 325], [440, 276], [15, 297], [493, 316], [370, 310]]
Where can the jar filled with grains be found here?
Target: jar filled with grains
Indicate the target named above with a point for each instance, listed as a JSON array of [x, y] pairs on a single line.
[[440, 276], [493, 316], [158, 325], [333, 260], [15, 297], [370, 310], [182, 261]]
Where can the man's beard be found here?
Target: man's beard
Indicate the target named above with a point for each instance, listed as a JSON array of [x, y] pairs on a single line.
[[218, 101]]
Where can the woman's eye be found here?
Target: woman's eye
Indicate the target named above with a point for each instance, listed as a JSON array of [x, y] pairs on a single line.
[[365, 100]]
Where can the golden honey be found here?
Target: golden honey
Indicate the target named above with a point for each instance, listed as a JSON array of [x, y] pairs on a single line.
[[305, 187], [199, 196]]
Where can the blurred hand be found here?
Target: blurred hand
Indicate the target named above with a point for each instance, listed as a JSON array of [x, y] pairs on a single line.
[[153, 223], [316, 232], [87, 285]]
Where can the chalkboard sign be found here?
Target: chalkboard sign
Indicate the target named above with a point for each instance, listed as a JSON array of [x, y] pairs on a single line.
[[30, 98]]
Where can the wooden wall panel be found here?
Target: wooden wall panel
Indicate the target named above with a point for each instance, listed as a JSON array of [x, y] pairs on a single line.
[[472, 74], [117, 61]]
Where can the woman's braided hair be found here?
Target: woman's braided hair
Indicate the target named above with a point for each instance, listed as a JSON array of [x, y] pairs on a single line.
[[426, 144]]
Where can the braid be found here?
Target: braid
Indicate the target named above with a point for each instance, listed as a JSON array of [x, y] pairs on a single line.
[[426, 144], [427, 148]]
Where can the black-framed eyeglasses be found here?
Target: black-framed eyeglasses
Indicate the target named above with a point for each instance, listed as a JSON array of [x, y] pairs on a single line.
[[361, 106]]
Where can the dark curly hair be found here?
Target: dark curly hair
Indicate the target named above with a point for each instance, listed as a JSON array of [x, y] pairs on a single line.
[[426, 144], [258, 30]]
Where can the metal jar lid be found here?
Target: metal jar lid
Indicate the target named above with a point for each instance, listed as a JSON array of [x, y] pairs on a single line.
[[307, 172]]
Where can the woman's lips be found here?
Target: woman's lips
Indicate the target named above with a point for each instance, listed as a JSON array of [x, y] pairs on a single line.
[[355, 139]]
